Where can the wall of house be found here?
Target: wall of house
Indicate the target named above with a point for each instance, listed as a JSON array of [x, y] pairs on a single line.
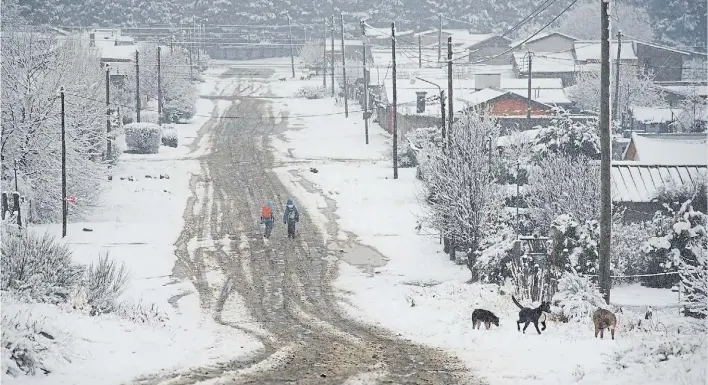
[[491, 47], [664, 65], [553, 43], [407, 123], [638, 211]]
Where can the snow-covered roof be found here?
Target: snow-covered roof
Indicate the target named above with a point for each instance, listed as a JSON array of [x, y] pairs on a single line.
[[546, 62], [670, 149], [688, 90], [639, 182], [542, 35], [590, 50], [478, 97], [655, 115], [543, 95], [406, 96], [110, 51], [542, 83]]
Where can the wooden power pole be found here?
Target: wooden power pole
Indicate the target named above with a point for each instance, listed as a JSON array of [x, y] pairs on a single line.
[[615, 99], [395, 101], [440, 38], [324, 56], [332, 57], [64, 203], [109, 143], [292, 53], [159, 87], [528, 100], [344, 68], [606, 153], [450, 114], [366, 82], [137, 87]]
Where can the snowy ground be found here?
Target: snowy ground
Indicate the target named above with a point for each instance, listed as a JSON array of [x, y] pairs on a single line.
[[382, 213], [138, 222]]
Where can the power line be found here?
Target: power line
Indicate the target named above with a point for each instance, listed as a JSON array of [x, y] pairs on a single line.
[[540, 8]]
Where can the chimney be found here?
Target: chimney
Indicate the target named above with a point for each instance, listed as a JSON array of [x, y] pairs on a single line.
[[420, 101]]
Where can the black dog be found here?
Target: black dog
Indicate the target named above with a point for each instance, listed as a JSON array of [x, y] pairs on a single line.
[[486, 316], [528, 315]]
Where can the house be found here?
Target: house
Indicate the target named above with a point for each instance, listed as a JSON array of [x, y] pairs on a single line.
[[559, 65], [418, 105], [547, 42], [679, 91], [494, 50], [660, 62], [653, 119], [668, 149], [498, 102], [635, 186]]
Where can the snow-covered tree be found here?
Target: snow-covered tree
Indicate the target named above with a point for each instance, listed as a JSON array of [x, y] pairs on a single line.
[[312, 55], [567, 138], [583, 21], [34, 69], [680, 22], [561, 184], [464, 195], [685, 248], [636, 89]]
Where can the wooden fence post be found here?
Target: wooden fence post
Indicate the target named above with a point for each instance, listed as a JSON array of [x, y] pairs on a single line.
[[16, 203]]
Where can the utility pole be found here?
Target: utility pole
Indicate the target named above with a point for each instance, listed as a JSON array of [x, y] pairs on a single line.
[[324, 56], [199, 44], [64, 207], [344, 68], [109, 149], [292, 54], [137, 87], [420, 52], [606, 153], [395, 102], [366, 82], [615, 100], [332, 57], [528, 100], [440, 38], [159, 87], [442, 113], [450, 114]]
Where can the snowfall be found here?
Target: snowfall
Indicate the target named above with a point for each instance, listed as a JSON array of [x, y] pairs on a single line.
[[372, 210]]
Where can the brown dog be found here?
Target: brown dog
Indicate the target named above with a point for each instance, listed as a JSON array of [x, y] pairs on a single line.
[[604, 319]]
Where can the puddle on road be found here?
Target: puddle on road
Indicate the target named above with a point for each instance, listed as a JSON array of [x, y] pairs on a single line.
[[361, 255]]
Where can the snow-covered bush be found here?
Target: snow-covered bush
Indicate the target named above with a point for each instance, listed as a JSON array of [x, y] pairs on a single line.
[[561, 184], [664, 348], [149, 116], [142, 313], [180, 107], [143, 138], [29, 345], [675, 195], [578, 297], [627, 258], [105, 281], [169, 136], [575, 245], [568, 138], [37, 268], [310, 92], [495, 251], [417, 140]]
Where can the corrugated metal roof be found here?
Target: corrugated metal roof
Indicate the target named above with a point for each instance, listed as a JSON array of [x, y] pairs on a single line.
[[636, 182]]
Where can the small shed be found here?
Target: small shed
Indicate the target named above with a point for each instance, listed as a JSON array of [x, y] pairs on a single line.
[[668, 149]]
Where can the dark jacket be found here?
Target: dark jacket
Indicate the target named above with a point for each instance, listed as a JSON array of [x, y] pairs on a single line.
[[294, 211]]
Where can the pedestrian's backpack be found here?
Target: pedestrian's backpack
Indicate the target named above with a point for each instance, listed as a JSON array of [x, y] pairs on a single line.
[[265, 212], [291, 214]]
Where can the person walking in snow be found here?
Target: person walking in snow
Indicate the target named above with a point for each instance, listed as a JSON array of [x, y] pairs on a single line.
[[290, 217], [268, 219]]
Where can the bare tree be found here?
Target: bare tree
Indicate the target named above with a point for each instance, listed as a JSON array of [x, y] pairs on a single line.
[[311, 55], [34, 69], [561, 184], [464, 195], [636, 89]]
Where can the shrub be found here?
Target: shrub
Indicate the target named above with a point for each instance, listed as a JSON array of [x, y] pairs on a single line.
[[578, 297], [169, 136], [30, 344], [310, 92], [147, 116], [105, 281], [180, 104], [143, 138], [141, 313], [37, 267]]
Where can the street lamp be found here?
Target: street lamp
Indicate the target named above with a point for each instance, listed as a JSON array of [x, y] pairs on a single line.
[[442, 102]]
